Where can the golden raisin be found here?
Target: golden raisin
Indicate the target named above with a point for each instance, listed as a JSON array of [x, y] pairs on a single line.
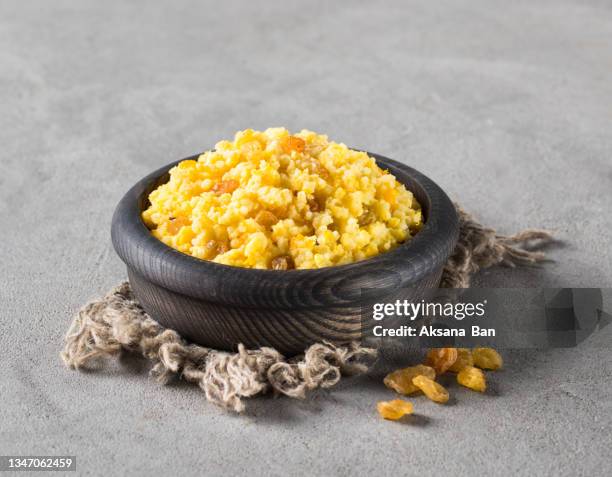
[[225, 187], [214, 248], [401, 380], [292, 143], [472, 378], [464, 358], [211, 247], [266, 218], [175, 224], [282, 262], [366, 218], [313, 205], [431, 389], [487, 358], [321, 170], [394, 410], [441, 359]]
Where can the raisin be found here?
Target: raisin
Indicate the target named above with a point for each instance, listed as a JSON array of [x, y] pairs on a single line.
[[431, 389], [401, 380], [282, 262], [266, 218], [394, 410], [292, 143], [214, 248], [313, 205], [464, 358], [321, 170], [225, 187], [472, 378], [487, 358], [175, 224], [441, 359], [366, 218]]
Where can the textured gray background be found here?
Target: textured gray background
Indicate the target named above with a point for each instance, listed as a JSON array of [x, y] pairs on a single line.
[[507, 105]]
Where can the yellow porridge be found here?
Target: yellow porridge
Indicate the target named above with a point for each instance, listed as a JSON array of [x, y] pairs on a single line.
[[275, 200]]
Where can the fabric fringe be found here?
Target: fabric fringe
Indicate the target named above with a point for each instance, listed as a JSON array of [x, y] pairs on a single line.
[[482, 247], [106, 327]]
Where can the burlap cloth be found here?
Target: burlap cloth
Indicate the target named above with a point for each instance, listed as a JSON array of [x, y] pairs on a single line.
[[116, 323]]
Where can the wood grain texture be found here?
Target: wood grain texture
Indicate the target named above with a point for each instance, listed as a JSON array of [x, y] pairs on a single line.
[[220, 306]]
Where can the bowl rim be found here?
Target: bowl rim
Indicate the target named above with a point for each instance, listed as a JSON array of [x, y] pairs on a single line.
[[400, 267]]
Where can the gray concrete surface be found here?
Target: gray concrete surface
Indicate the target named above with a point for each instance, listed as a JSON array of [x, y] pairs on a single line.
[[508, 105]]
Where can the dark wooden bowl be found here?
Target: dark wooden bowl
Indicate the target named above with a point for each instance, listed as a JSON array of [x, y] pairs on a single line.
[[221, 306]]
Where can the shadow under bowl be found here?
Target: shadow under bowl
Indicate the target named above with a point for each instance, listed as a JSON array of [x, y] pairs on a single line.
[[220, 306]]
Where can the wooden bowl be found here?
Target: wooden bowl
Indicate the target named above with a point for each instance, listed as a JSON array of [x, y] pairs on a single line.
[[220, 306]]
